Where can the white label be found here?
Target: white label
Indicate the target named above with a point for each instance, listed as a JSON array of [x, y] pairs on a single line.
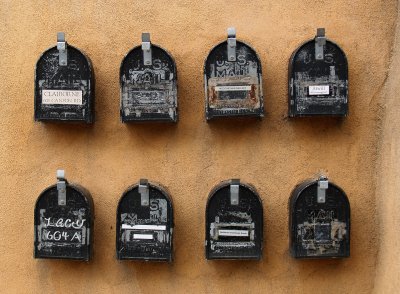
[[62, 97], [143, 236], [233, 233], [318, 90], [144, 227], [232, 88]]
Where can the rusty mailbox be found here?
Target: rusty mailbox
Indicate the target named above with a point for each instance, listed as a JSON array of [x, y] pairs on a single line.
[[64, 222], [319, 220], [64, 84], [234, 222], [148, 81], [318, 79], [233, 81], [145, 223]]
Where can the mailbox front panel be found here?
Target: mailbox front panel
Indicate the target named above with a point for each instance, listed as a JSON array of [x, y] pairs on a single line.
[[234, 231], [318, 86], [233, 88], [64, 92], [148, 92], [64, 231], [319, 230], [144, 232]]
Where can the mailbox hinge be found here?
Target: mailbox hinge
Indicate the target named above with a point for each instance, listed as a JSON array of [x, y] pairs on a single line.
[[146, 47], [234, 189], [320, 42], [62, 49], [144, 192], [231, 44], [61, 187], [323, 185]]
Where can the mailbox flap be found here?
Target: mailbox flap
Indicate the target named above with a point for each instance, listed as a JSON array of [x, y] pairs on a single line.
[[234, 222], [145, 223]]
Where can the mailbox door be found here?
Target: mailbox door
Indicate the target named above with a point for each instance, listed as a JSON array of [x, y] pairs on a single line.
[[318, 87], [148, 92], [145, 232], [64, 92], [64, 231], [233, 88], [319, 230], [234, 231]]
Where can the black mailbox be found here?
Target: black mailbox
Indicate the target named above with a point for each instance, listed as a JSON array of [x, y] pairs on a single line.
[[233, 81], [319, 220], [148, 81], [145, 223], [234, 222], [64, 222], [318, 79], [64, 85]]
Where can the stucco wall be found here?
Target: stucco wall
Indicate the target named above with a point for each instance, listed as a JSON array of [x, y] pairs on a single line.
[[190, 158]]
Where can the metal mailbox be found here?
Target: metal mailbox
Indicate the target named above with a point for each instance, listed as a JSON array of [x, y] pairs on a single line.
[[148, 81], [145, 223], [319, 220], [234, 222], [64, 222], [64, 84], [318, 79], [233, 80]]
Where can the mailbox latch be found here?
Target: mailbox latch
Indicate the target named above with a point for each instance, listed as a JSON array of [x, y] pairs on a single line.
[[231, 44], [62, 49], [61, 187], [320, 42], [144, 192], [234, 190], [146, 47], [323, 185]]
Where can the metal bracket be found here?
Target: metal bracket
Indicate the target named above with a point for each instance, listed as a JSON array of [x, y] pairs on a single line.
[[144, 192], [231, 44], [234, 189], [320, 41], [323, 185], [62, 49], [146, 47], [61, 187]]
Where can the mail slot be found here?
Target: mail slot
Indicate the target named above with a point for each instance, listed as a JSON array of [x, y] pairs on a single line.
[[145, 223], [318, 79], [319, 220], [63, 221], [234, 222], [64, 84], [233, 80], [148, 81]]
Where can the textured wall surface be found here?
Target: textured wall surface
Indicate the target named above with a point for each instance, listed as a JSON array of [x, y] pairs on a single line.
[[273, 154]]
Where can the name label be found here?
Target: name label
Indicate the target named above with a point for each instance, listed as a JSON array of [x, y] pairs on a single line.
[[143, 236], [144, 227], [318, 90], [61, 97], [233, 233], [232, 88]]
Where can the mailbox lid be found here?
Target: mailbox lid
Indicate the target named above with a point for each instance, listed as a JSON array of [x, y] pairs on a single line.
[[318, 87], [234, 231], [145, 232], [64, 93], [149, 92], [233, 88], [64, 231], [319, 230]]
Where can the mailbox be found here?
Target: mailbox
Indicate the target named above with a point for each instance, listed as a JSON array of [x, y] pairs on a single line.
[[64, 222], [148, 81], [64, 84], [233, 82], [145, 223], [318, 79], [319, 220], [234, 222]]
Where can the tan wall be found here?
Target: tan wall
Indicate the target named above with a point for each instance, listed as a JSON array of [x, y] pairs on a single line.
[[190, 158]]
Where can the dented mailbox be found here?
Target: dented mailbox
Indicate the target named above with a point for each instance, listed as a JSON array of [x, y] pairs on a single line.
[[233, 81], [318, 79], [234, 222], [64, 222], [319, 220], [64, 84], [148, 81], [145, 223]]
